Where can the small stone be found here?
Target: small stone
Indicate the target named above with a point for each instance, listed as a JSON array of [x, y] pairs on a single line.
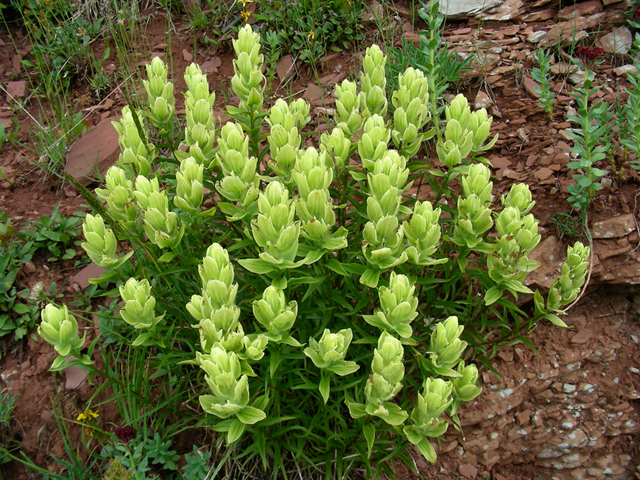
[[284, 68], [530, 86], [482, 100], [211, 65], [624, 69], [90, 271], [74, 377], [617, 42], [582, 336], [614, 227], [543, 173], [188, 56], [500, 162], [535, 37], [469, 471], [16, 90], [16, 61], [98, 149]]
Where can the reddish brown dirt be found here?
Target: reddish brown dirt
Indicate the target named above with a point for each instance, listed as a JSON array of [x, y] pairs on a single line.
[[528, 142]]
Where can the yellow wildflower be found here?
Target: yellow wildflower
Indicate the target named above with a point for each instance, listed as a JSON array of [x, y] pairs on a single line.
[[311, 35], [244, 2], [88, 415], [245, 15]]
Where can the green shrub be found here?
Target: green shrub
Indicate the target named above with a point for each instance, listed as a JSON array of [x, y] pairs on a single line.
[[327, 310]]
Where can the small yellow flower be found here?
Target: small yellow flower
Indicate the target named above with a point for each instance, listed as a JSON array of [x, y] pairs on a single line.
[[88, 415], [244, 2], [311, 35], [245, 15]]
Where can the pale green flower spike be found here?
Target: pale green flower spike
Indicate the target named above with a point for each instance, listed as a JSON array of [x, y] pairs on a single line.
[[248, 81], [459, 110], [567, 286], [348, 116], [446, 347], [464, 387], [240, 180], [144, 189], [508, 264], [330, 351], [398, 307], [373, 143], [291, 115], [119, 196], [373, 99], [215, 310], [432, 403], [423, 234], [139, 309], [275, 314], [328, 354], [274, 229], [519, 197], [136, 156], [474, 219], [60, 329], [284, 146], [162, 103], [480, 126], [477, 181], [189, 190], [386, 183], [200, 128], [162, 226], [457, 144], [229, 387], [412, 111], [100, 242], [314, 205], [383, 384], [382, 247], [336, 146]]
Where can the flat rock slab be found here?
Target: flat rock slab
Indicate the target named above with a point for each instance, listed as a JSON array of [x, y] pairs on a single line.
[[16, 90], [462, 8], [95, 152], [83, 276], [614, 227], [617, 42]]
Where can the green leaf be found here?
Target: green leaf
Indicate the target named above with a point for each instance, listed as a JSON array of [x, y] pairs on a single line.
[[555, 320], [370, 278], [236, 429], [325, 387], [492, 295], [396, 416], [167, 257], [20, 308], [250, 415], [356, 409], [427, 450], [257, 265], [343, 368], [369, 431]]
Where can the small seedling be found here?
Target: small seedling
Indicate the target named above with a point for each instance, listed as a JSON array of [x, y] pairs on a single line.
[[541, 75]]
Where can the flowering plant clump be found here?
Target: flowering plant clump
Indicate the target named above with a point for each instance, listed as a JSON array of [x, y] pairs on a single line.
[[309, 305]]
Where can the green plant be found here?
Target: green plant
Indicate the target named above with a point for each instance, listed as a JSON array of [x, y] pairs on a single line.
[[630, 131], [311, 27], [197, 467], [329, 324], [591, 138], [7, 405], [54, 233], [541, 75], [15, 251], [441, 67]]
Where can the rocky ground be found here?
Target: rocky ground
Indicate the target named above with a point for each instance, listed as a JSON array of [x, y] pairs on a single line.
[[570, 409]]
